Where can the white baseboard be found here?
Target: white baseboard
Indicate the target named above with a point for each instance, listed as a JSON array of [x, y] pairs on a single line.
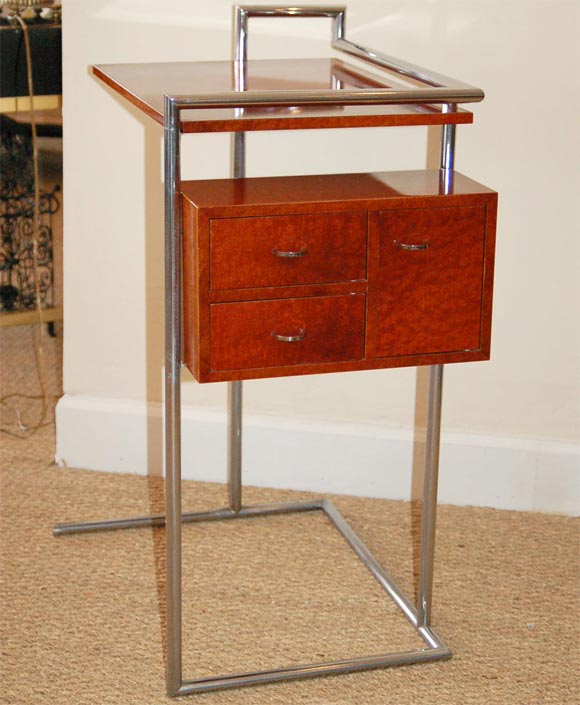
[[507, 473]]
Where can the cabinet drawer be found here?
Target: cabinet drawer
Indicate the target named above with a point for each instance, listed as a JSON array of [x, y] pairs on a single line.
[[427, 281], [286, 250], [255, 334]]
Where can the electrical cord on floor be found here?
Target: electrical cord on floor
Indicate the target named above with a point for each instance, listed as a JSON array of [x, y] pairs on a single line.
[[23, 430]]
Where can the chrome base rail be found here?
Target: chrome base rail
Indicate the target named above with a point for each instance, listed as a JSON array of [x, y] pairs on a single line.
[[434, 649], [315, 670], [158, 520]]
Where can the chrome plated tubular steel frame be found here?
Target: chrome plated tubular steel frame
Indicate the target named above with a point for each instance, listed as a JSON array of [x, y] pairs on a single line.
[[173, 298], [435, 649], [235, 389], [235, 394], [430, 480], [429, 507], [419, 617], [447, 161], [441, 89], [340, 43]]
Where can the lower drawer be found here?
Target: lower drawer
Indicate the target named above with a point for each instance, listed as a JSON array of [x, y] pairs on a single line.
[[281, 332]]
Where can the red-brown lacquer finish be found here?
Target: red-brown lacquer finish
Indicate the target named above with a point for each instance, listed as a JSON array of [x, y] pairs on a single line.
[[427, 280], [317, 329], [302, 275], [145, 85], [287, 249]]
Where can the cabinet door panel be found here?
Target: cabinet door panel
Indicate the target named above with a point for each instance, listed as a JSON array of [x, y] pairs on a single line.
[[426, 280], [286, 250], [254, 334]]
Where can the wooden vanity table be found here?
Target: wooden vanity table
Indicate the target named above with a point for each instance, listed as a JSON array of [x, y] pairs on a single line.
[[309, 274]]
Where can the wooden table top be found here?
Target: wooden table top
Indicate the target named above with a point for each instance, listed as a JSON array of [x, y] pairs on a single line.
[[145, 85]]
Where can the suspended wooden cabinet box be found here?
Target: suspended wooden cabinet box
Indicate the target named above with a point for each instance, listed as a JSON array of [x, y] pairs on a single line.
[[345, 272]]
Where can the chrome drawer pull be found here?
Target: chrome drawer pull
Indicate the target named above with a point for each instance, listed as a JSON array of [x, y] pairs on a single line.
[[412, 248], [290, 338], [290, 253]]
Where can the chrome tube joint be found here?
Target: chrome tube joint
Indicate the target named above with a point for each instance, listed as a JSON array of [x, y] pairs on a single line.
[[242, 13]]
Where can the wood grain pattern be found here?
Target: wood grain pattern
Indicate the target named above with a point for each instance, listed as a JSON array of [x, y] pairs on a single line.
[[256, 252], [378, 363], [488, 272], [228, 198], [191, 304], [412, 307], [144, 85], [243, 335], [426, 300]]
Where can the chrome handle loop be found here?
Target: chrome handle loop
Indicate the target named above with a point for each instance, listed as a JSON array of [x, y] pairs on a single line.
[[290, 253], [290, 338], [411, 247]]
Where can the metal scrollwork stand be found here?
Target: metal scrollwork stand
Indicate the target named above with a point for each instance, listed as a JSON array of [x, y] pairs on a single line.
[[17, 285]]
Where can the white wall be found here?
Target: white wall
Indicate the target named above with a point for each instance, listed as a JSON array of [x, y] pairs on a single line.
[[524, 143]]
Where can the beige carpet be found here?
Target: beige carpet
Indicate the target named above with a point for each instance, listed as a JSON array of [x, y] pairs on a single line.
[[82, 617]]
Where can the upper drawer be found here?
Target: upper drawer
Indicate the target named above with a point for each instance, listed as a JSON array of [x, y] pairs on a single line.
[[286, 250]]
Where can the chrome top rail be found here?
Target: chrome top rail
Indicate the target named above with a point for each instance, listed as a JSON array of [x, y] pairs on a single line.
[[443, 89], [242, 14], [403, 68], [269, 99]]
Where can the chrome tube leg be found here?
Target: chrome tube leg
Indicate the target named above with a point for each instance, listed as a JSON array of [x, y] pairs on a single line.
[[239, 163], [173, 396], [429, 509], [235, 389], [447, 163], [235, 445], [447, 147]]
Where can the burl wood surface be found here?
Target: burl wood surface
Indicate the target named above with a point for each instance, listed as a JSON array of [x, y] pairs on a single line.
[[144, 85], [425, 300], [339, 192], [286, 250], [402, 308], [328, 328]]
